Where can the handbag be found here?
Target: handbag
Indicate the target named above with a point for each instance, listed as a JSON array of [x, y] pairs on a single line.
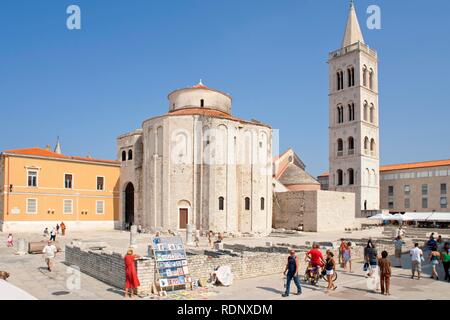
[[366, 266]]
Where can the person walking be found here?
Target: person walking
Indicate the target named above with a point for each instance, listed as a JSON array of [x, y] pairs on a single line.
[[197, 238], [49, 252], [416, 260], [210, 238], [131, 279], [63, 228], [330, 269], [10, 241], [291, 273], [46, 233], [445, 257], [371, 257], [434, 258], [431, 242], [347, 257], [53, 235], [400, 232], [341, 253], [398, 245], [385, 273], [57, 228]]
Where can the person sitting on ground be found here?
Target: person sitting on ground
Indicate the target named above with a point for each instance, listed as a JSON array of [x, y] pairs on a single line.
[[46, 233], [398, 245], [315, 258]]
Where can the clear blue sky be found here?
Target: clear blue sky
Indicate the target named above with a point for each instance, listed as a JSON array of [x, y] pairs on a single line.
[[91, 85]]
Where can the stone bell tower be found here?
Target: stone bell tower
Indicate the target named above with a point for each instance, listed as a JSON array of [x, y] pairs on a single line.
[[353, 118]]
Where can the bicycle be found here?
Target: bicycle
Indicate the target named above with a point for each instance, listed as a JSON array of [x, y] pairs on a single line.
[[312, 275]]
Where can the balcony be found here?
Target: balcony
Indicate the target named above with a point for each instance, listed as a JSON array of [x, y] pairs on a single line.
[[353, 47]]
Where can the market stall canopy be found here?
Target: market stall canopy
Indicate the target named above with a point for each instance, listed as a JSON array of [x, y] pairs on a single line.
[[414, 216], [440, 217]]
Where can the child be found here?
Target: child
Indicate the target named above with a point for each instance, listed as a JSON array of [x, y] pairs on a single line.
[[385, 273], [330, 268], [10, 241], [347, 256]]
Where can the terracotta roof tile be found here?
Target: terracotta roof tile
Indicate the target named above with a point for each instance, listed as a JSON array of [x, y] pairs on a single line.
[[210, 113], [38, 152]]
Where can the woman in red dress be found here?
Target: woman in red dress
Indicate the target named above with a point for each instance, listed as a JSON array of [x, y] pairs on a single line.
[[131, 279]]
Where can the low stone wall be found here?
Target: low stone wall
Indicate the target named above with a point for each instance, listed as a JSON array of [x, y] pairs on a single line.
[[109, 266]]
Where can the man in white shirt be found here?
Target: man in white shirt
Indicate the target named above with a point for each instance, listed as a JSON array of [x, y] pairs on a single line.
[[416, 260], [49, 252]]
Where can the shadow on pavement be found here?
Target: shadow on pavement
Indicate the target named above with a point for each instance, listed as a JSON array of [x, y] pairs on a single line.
[[271, 290]]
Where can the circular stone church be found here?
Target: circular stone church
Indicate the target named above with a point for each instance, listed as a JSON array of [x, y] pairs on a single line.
[[199, 165]]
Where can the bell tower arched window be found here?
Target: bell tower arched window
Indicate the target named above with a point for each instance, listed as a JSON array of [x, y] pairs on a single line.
[[124, 155], [130, 154], [340, 80], [340, 177], [351, 176], [364, 76], [351, 112], [351, 76], [340, 147], [371, 79], [351, 145], [366, 111]]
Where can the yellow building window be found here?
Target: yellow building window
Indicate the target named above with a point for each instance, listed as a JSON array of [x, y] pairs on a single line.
[[32, 206], [68, 206], [100, 207]]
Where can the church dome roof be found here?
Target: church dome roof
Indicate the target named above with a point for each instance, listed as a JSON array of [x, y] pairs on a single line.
[[199, 96]]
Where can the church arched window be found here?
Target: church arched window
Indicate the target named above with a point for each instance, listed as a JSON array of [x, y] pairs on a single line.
[[340, 80], [247, 203], [263, 203], [130, 154], [124, 155], [221, 203]]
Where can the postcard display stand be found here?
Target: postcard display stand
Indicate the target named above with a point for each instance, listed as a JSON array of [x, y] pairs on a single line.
[[171, 263]]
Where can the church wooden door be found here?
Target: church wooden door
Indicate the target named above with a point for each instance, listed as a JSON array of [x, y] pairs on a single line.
[[183, 218]]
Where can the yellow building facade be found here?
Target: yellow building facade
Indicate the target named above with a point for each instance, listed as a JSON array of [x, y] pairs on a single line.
[[40, 188]]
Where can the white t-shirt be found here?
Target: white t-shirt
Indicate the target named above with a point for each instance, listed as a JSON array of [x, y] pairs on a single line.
[[49, 251], [416, 254]]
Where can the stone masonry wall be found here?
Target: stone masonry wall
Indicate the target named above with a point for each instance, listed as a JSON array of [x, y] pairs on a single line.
[[109, 267]]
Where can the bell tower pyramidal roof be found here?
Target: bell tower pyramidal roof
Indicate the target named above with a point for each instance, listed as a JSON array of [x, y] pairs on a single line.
[[353, 32]]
